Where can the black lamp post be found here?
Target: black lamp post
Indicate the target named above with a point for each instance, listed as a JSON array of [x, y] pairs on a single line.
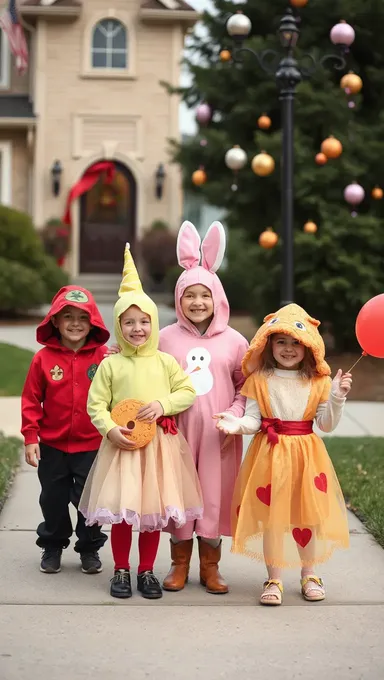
[[288, 75]]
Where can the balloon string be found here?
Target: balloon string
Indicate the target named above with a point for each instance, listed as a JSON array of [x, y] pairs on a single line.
[[364, 354]]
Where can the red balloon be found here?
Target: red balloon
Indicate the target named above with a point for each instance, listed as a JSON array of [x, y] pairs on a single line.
[[370, 327]]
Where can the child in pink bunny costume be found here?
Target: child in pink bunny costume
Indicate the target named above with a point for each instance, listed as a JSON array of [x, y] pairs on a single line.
[[211, 353]]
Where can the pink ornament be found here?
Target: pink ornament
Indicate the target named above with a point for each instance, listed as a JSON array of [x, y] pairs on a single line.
[[351, 105], [342, 34], [203, 114], [354, 194]]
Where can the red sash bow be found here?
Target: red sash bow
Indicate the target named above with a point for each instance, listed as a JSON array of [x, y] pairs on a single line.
[[272, 427], [168, 423]]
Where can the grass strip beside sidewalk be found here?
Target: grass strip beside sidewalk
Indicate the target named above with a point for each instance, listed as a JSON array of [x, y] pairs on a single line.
[[14, 365], [359, 464], [9, 459]]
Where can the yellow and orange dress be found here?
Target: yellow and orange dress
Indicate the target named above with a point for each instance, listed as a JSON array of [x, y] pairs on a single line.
[[288, 509]]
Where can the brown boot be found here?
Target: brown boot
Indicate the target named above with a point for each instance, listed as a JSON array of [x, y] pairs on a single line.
[[210, 576], [177, 576]]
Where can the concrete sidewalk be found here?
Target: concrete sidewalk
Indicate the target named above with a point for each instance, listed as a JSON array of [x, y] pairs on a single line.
[[66, 625]]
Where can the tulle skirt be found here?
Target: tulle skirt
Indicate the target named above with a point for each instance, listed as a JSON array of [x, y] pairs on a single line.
[[146, 487], [288, 509]]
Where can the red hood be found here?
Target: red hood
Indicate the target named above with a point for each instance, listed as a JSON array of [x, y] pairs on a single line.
[[47, 334]]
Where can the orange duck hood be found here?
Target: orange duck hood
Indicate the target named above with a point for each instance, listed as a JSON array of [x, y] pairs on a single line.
[[294, 321]]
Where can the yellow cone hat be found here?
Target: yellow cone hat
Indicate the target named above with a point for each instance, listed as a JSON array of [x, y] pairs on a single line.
[[131, 280]]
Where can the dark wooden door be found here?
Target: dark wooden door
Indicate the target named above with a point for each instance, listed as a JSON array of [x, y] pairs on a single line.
[[107, 222]]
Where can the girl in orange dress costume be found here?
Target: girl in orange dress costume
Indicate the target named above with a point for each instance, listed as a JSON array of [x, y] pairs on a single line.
[[288, 509]]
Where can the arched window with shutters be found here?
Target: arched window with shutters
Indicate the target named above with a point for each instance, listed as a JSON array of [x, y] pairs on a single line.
[[109, 48]]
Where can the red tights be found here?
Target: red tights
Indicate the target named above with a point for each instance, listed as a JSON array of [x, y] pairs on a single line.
[[121, 540]]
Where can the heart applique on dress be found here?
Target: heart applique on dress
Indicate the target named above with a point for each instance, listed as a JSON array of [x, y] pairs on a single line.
[[302, 536], [321, 482], [264, 494]]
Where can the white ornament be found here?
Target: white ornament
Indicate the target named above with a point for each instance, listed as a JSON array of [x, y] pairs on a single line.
[[235, 158]]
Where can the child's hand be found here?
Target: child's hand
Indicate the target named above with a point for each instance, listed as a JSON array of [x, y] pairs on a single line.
[[227, 423], [113, 349], [341, 384], [116, 437], [150, 412], [32, 454]]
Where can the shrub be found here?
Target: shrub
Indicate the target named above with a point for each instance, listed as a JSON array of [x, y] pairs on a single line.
[[158, 250], [28, 277]]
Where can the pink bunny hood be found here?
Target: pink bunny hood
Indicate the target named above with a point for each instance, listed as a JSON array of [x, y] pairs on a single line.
[[190, 250]]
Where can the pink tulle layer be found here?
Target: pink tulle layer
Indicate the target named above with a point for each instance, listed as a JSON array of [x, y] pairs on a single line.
[[154, 522]]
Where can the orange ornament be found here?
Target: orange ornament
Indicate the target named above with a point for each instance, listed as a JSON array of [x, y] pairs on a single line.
[[321, 159], [351, 82], [263, 164], [331, 147], [264, 122], [310, 228], [199, 177], [268, 239], [225, 55], [299, 3], [377, 193]]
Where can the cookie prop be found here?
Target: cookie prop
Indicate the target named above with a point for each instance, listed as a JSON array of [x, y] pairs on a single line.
[[125, 415]]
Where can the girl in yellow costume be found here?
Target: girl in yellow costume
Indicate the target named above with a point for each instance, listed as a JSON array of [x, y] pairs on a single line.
[[142, 488], [288, 509]]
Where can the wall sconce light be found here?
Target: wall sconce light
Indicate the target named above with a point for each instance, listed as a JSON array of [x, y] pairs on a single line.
[[56, 172], [160, 179]]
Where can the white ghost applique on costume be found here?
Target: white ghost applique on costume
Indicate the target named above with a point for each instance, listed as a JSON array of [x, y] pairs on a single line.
[[198, 361]]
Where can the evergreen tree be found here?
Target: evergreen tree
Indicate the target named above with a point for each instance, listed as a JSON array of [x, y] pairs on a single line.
[[341, 267]]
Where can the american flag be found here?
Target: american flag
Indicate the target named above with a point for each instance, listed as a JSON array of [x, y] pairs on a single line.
[[9, 22]]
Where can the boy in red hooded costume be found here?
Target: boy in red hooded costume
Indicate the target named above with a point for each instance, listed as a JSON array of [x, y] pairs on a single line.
[[59, 437]]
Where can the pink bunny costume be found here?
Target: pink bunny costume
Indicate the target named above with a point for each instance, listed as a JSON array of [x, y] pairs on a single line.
[[213, 361]]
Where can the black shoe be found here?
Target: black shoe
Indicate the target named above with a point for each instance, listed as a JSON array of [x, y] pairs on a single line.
[[121, 584], [51, 561], [148, 585], [90, 563]]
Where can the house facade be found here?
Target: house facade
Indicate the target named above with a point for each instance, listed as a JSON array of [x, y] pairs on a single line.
[[92, 96]]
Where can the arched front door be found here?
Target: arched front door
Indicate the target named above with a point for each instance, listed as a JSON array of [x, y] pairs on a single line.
[[107, 222]]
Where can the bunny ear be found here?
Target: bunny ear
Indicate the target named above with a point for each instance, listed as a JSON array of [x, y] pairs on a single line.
[[213, 247], [188, 246]]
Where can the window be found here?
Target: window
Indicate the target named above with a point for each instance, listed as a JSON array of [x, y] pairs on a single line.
[[109, 45], [5, 173], [4, 61]]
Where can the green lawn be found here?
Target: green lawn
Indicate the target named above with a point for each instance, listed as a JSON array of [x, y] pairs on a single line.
[[359, 463], [14, 365], [9, 458]]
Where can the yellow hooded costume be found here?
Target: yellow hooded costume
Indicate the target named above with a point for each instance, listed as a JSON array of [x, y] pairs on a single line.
[[149, 486], [288, 509]]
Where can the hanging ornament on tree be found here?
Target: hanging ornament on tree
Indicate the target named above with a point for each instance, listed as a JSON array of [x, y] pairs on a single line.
[[235, 159], [354, 194], [321, 159], [264, 122], [199, 177], [203, 142], [268, 239], [225, 55], [342, 34], [331, 147], [298, 3], [377, 193], [310, 228], [203, 113], [352, 82], [263, 164]]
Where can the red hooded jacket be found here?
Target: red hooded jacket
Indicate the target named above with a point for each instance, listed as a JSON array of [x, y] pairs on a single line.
[[54, 399]]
